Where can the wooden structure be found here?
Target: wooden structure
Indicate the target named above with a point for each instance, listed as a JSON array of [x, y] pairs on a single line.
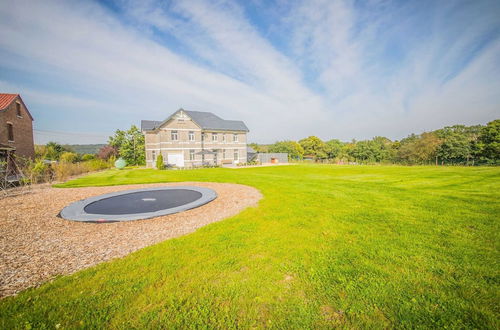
[[11, 175]]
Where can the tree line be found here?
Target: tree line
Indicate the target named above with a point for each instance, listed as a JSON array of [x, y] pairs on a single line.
[[451, 145]]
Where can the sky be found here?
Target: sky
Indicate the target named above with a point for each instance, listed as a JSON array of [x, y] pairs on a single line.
[[289, 69]]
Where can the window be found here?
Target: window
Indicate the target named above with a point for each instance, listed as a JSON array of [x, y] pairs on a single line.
[[174, 135], [10, 132], [203, 136], [191, 154], [154, 155], [235, 137], [214, 137], [223, 137], [224, 153], [18, 109], [191, 136], [235, 154]]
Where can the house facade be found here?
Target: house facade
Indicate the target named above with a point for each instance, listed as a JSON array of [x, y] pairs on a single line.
[[16, 126], [195, 138]]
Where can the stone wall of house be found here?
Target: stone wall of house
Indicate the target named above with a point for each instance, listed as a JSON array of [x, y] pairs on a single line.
[[224, 143], [22, 128]]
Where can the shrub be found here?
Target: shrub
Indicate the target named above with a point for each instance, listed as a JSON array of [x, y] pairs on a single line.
[[87, 157], [40, 151], [68, 157], [107, 152], [159, 162], [97, 164], [37, 171]]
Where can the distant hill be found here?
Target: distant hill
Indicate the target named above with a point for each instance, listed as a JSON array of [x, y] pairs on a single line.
[[85, 148]]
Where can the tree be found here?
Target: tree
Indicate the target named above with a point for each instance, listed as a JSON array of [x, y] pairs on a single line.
[[363, 151], [130, 145], [314, 146], [53, 150], [419, 149], [294, 150], [346, 151], [456, 144], [159, 162], [333, 148], [381, 148], [107, 152], [426, 147], [489, 142]]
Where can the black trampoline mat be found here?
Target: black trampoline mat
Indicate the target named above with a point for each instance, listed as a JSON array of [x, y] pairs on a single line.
[[143, 201]]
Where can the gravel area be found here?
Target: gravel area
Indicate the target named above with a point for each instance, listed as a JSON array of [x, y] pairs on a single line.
[[36, 245]]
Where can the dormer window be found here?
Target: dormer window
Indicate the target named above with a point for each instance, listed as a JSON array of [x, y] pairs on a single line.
[[10, 132], [174, 135], [18, 109]]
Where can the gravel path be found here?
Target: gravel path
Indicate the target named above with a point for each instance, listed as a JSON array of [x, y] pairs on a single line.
[[36, 245]]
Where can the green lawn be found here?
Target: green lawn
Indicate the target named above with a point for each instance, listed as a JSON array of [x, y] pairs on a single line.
[[349, 246]]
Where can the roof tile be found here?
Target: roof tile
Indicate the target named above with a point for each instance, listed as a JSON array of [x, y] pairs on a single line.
[[6, 100]]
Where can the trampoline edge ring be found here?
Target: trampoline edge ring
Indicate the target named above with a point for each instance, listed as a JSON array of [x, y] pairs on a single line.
[[76, 210]]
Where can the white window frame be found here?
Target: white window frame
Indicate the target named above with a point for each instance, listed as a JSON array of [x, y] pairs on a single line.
[[235, 137], [191, 154], [191, 136], [236, 154], [223, 137], [174, 135], [224, 154], [215, 137]]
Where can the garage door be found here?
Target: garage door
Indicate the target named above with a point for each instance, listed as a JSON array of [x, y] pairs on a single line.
[[175, 159]]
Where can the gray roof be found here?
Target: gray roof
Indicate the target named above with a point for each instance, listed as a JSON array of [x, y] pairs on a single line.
[[206, 120], [149, 125]]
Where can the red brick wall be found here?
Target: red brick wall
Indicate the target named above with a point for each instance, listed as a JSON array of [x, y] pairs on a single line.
[[23, 130]]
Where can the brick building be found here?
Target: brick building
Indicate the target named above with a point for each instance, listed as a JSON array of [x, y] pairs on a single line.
[[16, 126]]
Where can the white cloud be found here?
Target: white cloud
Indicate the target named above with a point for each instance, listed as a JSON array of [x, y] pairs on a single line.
[[105, 71]]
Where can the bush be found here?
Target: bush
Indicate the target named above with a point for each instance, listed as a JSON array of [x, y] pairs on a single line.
[[68, 157], [159, 162], [40, 172], [107, 152], [87, 157], [64, 170]]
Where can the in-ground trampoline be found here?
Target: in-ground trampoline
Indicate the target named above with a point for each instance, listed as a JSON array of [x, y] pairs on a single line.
[[138, 204]]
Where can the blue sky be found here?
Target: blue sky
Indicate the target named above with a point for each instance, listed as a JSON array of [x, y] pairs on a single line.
[[289, 69]]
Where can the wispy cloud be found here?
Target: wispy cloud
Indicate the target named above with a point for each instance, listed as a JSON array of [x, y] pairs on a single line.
[[339, 69]]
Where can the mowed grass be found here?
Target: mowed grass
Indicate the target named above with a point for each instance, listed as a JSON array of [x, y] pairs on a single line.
[[328, 246]]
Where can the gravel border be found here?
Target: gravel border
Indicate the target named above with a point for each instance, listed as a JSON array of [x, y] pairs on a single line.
[[38, 245]]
